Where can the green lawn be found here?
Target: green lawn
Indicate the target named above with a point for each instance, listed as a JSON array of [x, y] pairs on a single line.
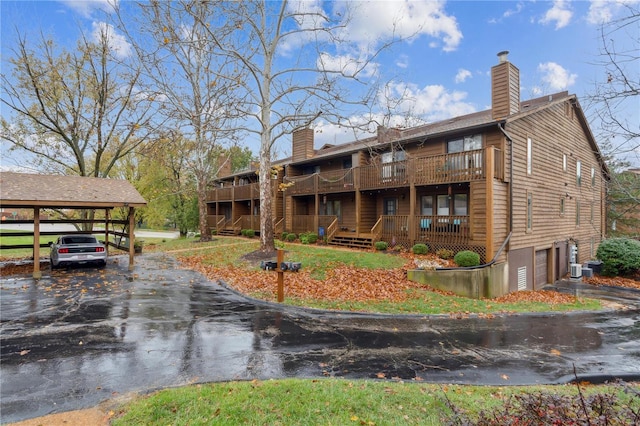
[[341, 402]]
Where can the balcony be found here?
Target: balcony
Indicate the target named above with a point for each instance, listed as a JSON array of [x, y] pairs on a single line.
[[437, 169]]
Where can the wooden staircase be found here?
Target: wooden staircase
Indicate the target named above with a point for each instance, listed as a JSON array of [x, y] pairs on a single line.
[[352, 241], [227, 231]]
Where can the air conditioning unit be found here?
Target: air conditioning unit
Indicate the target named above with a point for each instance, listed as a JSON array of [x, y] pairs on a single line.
[[576, 270]]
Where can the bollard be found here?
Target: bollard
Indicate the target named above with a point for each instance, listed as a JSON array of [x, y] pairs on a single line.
[[280, 275]]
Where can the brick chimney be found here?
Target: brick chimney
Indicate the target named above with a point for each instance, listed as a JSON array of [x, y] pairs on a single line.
[[505, 88], [302, 141]]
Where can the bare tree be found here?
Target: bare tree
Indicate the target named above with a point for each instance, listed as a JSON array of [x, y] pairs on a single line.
[[613, 97], [173, 46], [75, 112], [294, 74], [619, 89]]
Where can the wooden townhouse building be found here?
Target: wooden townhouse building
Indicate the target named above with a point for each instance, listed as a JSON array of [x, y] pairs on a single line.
[[519, 184]]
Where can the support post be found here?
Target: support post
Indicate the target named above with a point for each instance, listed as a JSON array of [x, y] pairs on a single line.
[[37, 274], [107, 219], [280, 275], [132, 224]]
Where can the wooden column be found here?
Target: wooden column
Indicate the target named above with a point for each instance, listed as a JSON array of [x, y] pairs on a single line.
[[489, 171], [107, 219], [412, 213], [132, 225], [37, 274]]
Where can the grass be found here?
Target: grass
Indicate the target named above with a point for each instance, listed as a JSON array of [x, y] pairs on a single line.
[[7, 238], [317, 260], [328, 402], [429, 303]]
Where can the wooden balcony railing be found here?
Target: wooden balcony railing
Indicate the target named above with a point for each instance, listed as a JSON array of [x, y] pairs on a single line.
[[212, 220], [307, 223], [464, 166], [246, 192], [437, 229], [249, 222]]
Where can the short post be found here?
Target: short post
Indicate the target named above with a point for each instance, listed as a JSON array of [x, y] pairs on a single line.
[[280, 275]]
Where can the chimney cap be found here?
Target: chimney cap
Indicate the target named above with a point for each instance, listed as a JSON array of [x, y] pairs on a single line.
[[502, 56]]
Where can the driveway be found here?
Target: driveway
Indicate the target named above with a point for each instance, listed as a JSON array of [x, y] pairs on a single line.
[[80, 336]]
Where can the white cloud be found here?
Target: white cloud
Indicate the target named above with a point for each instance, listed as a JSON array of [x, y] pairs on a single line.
[[431, 103], [347, 65], [402, 61], [602, 12], [462, 75], [508, 13], [559, 13], [555, 76], [117, 43], [87, 7], [377, 20]]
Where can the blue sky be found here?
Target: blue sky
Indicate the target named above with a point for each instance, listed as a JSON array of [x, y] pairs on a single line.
[[444, 67]]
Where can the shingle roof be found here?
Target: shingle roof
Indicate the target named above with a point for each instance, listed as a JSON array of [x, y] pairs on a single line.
[[22, 189]]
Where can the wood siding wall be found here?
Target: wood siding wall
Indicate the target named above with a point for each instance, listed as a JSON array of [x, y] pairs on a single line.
[[302, 145], [554, 132], [505, 90]]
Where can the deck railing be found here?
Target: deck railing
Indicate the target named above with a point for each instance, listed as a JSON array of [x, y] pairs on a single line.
[[464, 166], [307, 223], [248, 222], [452, 229]]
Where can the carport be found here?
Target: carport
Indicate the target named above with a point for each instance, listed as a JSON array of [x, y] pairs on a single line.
[[38, 192]]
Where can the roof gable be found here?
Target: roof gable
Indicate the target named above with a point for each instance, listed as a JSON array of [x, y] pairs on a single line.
[[22, 189]]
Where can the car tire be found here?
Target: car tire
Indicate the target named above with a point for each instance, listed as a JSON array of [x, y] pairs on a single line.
[[102, 263]]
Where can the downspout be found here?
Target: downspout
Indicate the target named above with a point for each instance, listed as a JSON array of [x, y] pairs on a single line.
[[510, 144]]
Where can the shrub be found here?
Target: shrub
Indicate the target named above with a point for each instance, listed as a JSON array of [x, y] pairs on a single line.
[[420, 249], [467, 258], [250, 233], [620, 256], [291, 237], [381, 245], [284, 236], [445, 254], [308, 238]]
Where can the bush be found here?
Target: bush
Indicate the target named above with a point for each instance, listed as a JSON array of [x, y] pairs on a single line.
[[381, 245], [467, 258], [291, 237], [539, 408], [420, 249], [309, 238], [620, 256], [249, 233], [445, 254], [284, 236]]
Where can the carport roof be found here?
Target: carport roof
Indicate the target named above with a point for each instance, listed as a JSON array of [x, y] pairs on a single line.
[[33, 190]]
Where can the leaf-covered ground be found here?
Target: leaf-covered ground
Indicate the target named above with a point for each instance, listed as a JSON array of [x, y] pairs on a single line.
[[344, 283]]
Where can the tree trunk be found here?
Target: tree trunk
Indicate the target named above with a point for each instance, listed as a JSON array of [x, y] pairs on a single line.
[[205, 234], [266, 213]]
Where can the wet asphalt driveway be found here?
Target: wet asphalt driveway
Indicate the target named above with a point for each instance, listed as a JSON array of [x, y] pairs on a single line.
[[81, 336]]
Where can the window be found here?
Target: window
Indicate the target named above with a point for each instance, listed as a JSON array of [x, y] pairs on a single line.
[[347, 164], [564, 162], [593, 176], [561, 206], [577, 213], [578, 173], [460, 204], [467, 143], [426, 205], [443, 205], [332, 208], [390, 168], [591, 213], [529, 159], [529, 211], [309, 170]]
